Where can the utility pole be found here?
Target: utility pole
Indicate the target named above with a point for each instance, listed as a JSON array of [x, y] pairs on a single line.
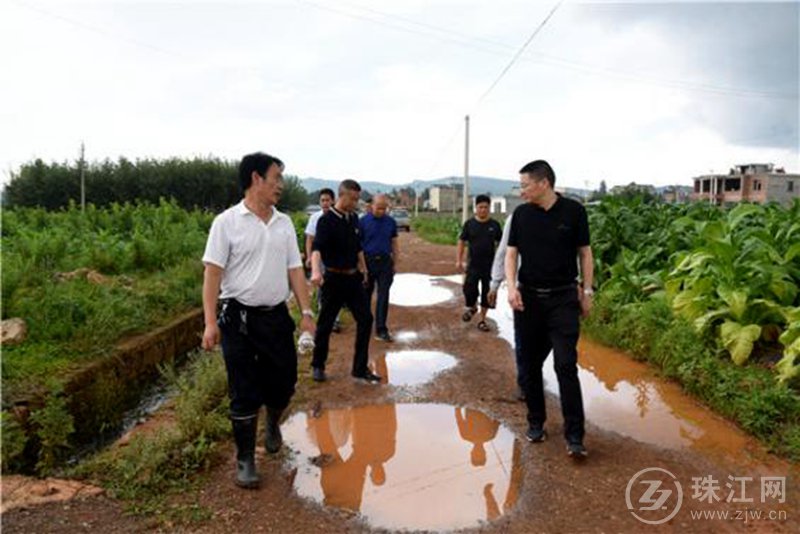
[[465, 200], [83, 179], [416, 202]]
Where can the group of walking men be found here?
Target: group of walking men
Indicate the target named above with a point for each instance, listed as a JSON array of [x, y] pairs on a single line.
[[252, 261]]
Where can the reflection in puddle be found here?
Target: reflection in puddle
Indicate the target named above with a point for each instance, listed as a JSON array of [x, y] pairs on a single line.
[[406, 336], [385, 462], [409, 289], [623, 396], [413, 367]]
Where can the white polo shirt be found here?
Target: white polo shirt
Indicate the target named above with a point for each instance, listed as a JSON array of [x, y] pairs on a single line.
[[311, 227], [255, 256]]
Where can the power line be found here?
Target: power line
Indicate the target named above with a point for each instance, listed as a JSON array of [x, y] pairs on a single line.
[[468, 41], [500, 77], [518, 54], [101, 31]]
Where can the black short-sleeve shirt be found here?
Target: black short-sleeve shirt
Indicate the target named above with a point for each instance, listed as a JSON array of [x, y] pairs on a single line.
[[338, 239], [482, 237], [548, 242]]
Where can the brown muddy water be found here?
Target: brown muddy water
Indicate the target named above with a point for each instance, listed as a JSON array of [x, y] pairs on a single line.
[[412, 367], [627, 397], [407, 466]]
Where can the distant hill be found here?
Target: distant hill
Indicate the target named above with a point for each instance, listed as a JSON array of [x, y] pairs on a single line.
[[478, 184]]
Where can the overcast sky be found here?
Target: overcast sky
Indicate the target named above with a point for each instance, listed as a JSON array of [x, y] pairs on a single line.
[[652, 93]]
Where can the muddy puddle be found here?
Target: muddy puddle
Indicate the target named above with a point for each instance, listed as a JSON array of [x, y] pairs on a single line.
[[407, 466], [406, 336], [411, 289], [626, 396], [412, 367]]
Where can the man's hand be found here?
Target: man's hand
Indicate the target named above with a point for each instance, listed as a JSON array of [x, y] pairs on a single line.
[[317, 279], [515, 299], [308, 262], [586, 304], [210, 336], [492, 297], [460, 266], [307, 325]]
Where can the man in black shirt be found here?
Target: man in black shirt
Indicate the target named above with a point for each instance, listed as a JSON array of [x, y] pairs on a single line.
[[482, 233], [337, 245], [550, 233]]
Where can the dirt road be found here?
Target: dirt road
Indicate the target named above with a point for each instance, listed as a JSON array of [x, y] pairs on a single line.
[[358, 432]]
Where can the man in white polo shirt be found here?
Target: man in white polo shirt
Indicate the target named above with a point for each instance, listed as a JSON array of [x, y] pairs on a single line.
[[326, 200], [251, 259]]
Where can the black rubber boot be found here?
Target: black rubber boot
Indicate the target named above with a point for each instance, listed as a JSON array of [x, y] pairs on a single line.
[[244, 432], [274, 439]]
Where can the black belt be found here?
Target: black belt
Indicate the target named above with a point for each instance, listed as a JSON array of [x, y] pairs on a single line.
[[337, 270], [379, 256], [545, 291], [236, 305]]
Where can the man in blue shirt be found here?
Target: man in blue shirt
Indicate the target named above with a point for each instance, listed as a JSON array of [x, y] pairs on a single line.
[[379, 242]]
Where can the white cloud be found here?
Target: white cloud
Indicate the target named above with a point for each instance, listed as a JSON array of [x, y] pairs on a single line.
[[346, 89]]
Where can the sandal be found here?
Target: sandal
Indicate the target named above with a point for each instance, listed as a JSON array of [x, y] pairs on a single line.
[[468, 314], [483, 327]]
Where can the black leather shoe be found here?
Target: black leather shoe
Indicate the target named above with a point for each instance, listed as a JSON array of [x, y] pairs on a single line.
[[273, 438], [318, 374], [536, 434], [575, 449], [368, 377], [384, 336]]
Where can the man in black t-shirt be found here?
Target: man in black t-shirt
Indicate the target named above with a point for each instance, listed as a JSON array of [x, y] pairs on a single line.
[[337, 246], [482, 233], [551, 235]]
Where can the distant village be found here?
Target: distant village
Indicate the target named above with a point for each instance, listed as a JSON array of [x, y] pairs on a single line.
[[751, 182]]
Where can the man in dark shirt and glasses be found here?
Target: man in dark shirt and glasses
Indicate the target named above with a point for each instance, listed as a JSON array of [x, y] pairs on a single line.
[[550, 233]]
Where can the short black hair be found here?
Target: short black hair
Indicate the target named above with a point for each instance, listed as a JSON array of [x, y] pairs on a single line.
[[482, 199], [541, 170], [349, 185], [258, 162], [327, 191]]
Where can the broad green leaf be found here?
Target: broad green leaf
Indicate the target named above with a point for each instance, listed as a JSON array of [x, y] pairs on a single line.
[[786, 367], [694, 260], [737, 215], [736, 301], [792, 315], [739, 339], [792, 253], [790, 335], [703, 322]]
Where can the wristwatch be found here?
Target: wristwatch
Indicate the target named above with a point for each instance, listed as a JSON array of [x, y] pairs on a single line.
[[308, 313], [588, 291]]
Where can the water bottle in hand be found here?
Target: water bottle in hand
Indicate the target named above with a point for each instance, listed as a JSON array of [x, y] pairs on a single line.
[[305, 344]]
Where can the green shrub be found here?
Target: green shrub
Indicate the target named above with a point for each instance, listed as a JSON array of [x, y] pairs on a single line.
[[12, 437], [168, 461], [54, 425]]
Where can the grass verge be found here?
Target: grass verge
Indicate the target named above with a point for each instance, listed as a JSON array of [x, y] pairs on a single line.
[[154, 467]]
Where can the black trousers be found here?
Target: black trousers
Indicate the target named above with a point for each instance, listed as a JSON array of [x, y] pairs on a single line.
[[475, 276], [551, 322], [260, 357], [381, 273], [338, 290]]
